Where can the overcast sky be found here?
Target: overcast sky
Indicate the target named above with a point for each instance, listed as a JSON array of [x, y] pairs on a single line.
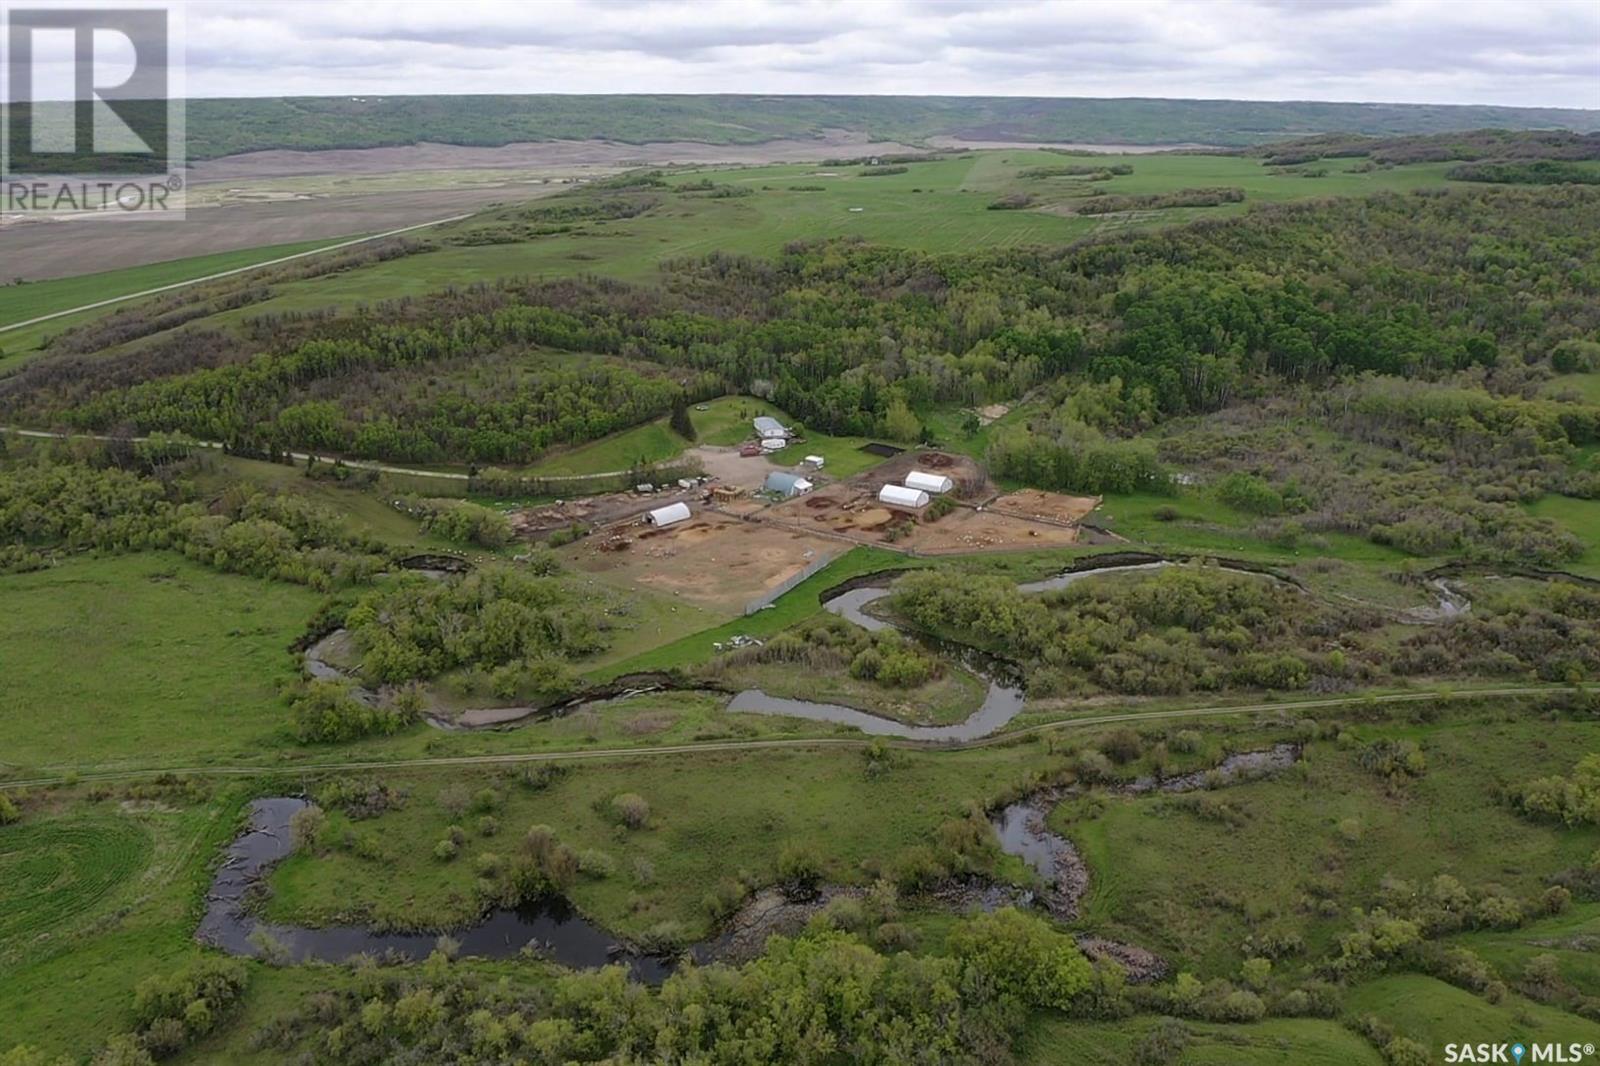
[[1537, 52]]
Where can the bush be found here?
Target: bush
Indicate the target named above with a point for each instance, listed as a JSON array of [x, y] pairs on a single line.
[[306, 826], [630, 809], [1123, 746], [799, 870], [595, 863], [1403, 1051], [9, 812], [1186, 742], [446, 850], [327, 712], [1162, 1045]]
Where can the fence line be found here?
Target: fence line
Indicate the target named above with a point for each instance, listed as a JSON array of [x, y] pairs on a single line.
[[810, 568]]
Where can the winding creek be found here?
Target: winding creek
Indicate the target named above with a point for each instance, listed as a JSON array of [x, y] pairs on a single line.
[[551, 927], [553, 930]]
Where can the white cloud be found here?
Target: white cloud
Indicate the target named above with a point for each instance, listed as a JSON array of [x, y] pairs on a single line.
[[1531, 52]]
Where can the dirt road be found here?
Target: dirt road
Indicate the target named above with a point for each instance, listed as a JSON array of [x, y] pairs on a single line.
[[227, 273], [85, 774]]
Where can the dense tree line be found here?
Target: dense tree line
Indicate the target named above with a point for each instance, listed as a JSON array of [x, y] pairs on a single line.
[[1434, 147], [51, 503], [1185, 630], [841, 334], [1175, 632], [1529, 172], [817, 998], [517, 627], [1432, 469], [1106, 203]]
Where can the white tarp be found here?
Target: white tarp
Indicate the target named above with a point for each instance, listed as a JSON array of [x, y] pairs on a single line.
[[900, 496], [929, 482], [666, 516]]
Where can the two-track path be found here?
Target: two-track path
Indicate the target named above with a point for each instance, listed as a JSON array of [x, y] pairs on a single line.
[[88, 774]]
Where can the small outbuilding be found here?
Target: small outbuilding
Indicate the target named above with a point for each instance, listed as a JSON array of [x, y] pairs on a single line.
[[932, 483], [900, 496], [670, 515], [815, 462], [767, 426], [774, 444], [786, 484]]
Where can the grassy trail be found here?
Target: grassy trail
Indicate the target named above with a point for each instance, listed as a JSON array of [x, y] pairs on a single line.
[[581, 754]]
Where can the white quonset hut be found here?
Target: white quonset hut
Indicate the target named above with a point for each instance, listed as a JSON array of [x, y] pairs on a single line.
[[671, 514], [900, 496], [767, 426], [934, 483]]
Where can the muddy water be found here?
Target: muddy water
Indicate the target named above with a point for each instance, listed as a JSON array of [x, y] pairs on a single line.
[[551, 927]]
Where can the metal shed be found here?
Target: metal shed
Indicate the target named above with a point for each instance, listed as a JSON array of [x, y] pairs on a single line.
[[671, 514], [767, 426], [900, 496], [934, 483], [786, 484]]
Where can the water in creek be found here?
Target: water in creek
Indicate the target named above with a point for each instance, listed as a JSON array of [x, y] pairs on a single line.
[[551, 926], [1001, 703]]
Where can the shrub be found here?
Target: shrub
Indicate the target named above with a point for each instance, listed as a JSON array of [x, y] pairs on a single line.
[[488, 825], [1161, 1045], [630, 809], [306, 826], [1403, 1051], [595, 863], [1123, 746], [1186, 742], [799, 870], [446, 850], [9, 813], [327, 712]]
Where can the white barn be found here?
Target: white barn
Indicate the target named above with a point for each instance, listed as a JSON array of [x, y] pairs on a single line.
[[934, 483], [900, 496], [671, 514]]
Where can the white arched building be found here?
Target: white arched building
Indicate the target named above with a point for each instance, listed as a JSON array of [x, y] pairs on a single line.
[[671, 514], [900, 496]]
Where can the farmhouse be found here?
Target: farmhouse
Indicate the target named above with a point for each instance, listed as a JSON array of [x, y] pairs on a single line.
[[671, 514], [934, 483], [786, 484], [767, 427], [900, 496]]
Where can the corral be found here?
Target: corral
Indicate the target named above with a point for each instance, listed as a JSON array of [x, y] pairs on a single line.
[[852, 509], [712, 560], [1045, 506], [971, 481]]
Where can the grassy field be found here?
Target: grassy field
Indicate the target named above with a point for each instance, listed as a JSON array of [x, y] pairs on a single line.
[[711, 817], [1056, 1041], [1434, 1013], [21, 302], [939, 206], [1197, 881], [1581, 518], [112, 660], [122, 877]]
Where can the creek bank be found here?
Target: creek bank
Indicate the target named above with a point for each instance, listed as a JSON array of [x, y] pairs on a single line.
[[549, 928], [1023, 830]]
